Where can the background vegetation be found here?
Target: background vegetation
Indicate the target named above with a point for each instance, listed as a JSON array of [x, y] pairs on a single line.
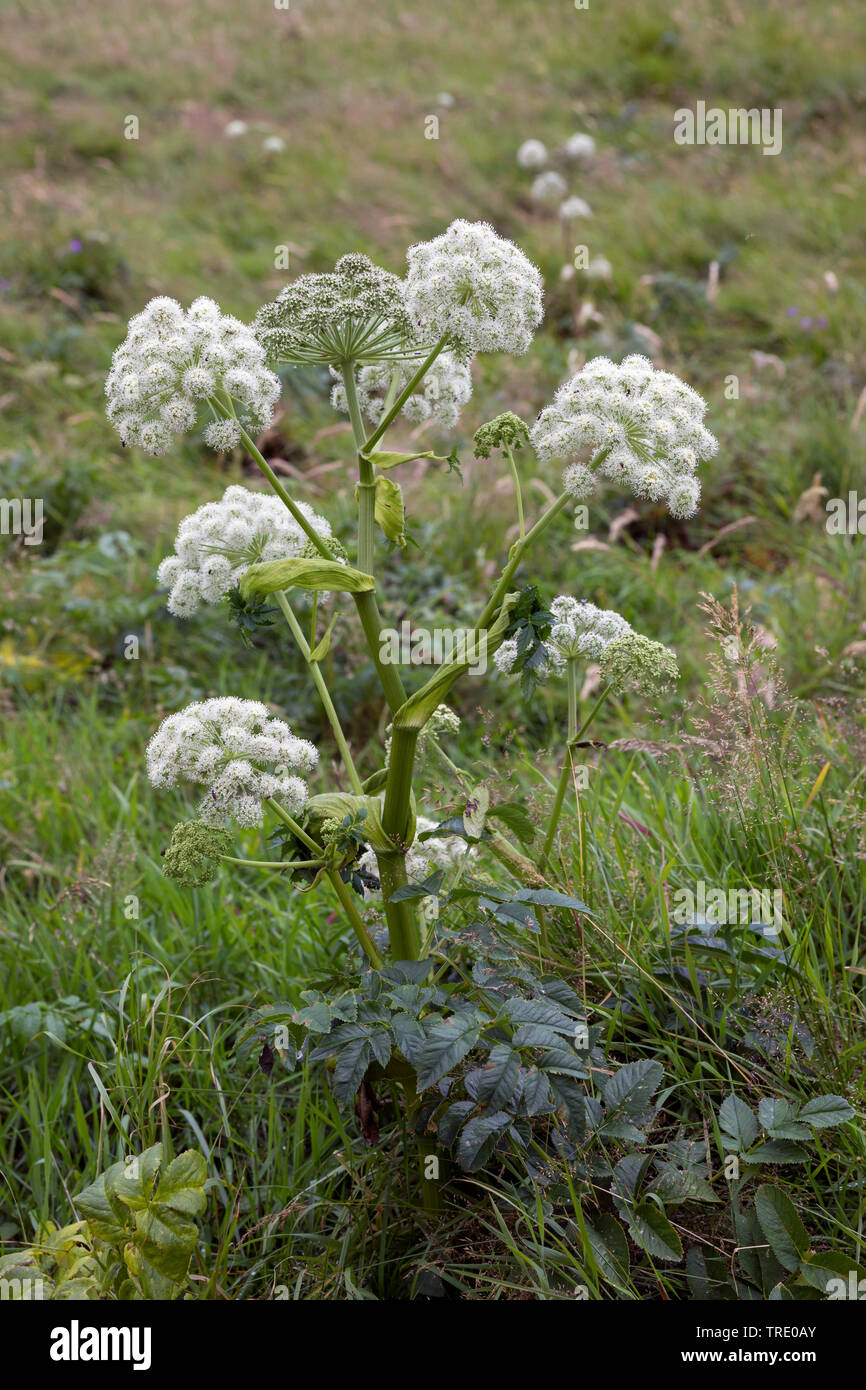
[[122, 1028]]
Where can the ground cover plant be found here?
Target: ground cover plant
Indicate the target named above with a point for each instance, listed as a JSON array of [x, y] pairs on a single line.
[[432, 823]]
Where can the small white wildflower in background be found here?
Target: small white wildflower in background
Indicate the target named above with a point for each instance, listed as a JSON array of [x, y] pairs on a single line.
[[171, 362], [444, 99], [532, 155], [355, 313], [235, 128], [599, 268], [238, 752], [446, 388], [573, 208], [579, 146], [549, 187], [220, 540], [475, 289], [273, 143], [645, 425]]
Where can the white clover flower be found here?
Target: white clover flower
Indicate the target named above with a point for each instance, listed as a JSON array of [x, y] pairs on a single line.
[[573, 208], [356, 313], [220, 540], [645, 425], [475, 289], [171, 361], [549, 187], [532, 155], [235, 128], [238, 752], [273, 143], [445, 389], [579, 146]]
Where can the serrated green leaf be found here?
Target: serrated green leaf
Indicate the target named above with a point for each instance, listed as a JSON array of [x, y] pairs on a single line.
[[500, 1077], [631, 1088], [738, 1120], [133, 1182], [479, 1139], [446, 1043], [515, 818], [652, 1230], [820, 1268], [781, 1225], [353, 1060], [777, 1151], [825, 1111], [181, 1184]]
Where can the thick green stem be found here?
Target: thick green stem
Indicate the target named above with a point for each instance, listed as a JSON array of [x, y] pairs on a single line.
[[366, 479], [321, 687], [403, 928]]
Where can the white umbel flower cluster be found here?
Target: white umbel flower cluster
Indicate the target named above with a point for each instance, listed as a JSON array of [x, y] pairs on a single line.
[[475, 289], [235, 749], [580, 629], [441, 395], [220, 540], [549, 187], [532, 155], [579, 146], [645, 427], [172, 361]]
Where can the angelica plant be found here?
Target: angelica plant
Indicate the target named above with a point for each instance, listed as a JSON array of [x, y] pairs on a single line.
[[401, 347]]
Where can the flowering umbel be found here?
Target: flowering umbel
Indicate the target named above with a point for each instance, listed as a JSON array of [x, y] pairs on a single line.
[[445, 389], [644, 428], [580, 629], [219, 541], [238, 752], [355, 313], [474, 289], [172, 362]]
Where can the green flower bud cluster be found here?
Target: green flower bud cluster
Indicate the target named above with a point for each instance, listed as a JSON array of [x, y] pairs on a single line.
[[335, 549], [506, 430], [193, 854], [633, 662]]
